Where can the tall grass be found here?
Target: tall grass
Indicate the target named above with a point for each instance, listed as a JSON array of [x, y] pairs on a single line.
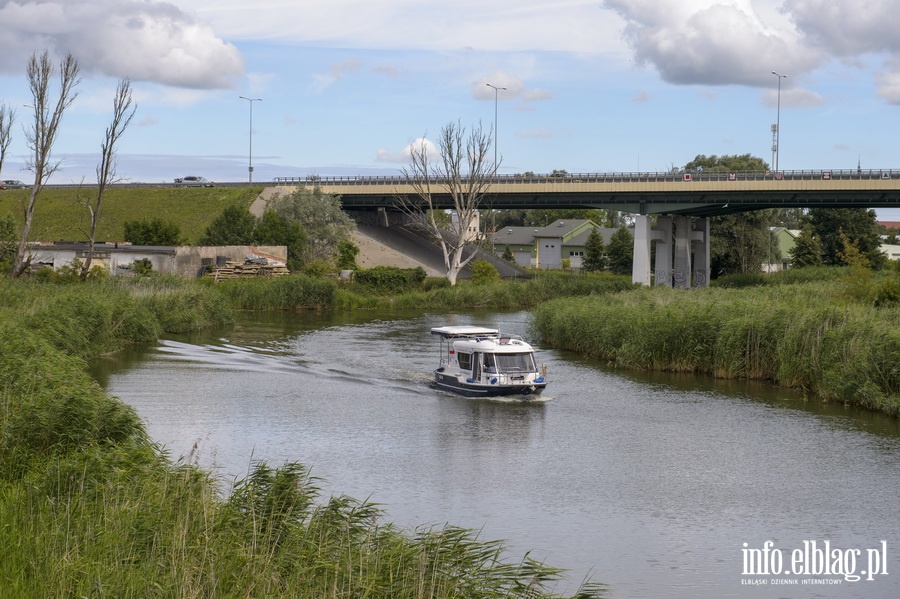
[[791, 335], [89, 507], [294, 292]]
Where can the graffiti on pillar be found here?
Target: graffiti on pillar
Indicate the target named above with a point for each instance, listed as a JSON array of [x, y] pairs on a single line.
[[662, 277], [679, 277], [700, 277]]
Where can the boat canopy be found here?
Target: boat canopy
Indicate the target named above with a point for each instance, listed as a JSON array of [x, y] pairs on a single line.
[[458, 332]]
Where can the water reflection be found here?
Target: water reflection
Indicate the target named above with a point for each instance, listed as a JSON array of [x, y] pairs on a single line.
[[650, 481]]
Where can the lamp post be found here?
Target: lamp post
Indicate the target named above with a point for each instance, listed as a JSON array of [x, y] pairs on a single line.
[[777, 130], [496, 121], [250, 155]]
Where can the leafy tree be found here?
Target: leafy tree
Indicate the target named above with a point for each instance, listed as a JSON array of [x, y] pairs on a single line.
[[621, 251], [347, 253], [321, 217], [508, 255], [789, 218], [508, 218], [807, 250], [859, 225], [152, 232], [727, 162], [742, 242], [235, 226], [273, 229], [594, 252]]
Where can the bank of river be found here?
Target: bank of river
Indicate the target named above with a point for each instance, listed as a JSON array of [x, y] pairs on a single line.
[[649, 482]]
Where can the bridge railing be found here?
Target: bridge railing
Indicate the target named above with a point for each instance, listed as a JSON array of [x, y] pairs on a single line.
[[627, 177]]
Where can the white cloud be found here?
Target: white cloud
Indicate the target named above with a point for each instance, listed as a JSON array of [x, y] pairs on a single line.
[[888, 81], [403, 156], [508, 87], [143, 40], [322, 81], [711, 43], [579, 26], [721, 42], [793, 98]]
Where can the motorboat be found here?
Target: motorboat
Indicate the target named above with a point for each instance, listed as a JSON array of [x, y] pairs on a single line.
[[482, 362]]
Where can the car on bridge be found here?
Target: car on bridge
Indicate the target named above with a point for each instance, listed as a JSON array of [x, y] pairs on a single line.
[[193, 181]]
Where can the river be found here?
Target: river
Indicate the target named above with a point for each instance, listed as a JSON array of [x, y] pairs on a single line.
[[661, 486]]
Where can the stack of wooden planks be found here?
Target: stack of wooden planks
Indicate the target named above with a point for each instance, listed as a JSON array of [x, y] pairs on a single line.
[[252, 267]]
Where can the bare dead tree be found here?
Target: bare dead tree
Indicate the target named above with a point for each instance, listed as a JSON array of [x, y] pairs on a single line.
[[7, 118], [464, 172], [42, 135], [123, 112]]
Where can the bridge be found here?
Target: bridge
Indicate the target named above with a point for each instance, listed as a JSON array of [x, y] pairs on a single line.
[[683, 203], [701, 194]]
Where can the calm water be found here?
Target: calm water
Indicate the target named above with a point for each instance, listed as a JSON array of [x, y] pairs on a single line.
[[650, 483]]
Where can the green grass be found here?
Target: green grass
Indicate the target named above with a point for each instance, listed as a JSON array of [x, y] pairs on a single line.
[[60, 214]]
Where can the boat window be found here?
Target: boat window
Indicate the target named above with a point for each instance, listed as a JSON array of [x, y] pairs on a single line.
[[465, 361], [523, 362]]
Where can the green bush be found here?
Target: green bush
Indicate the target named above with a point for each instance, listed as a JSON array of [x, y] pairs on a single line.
[[484, 272]]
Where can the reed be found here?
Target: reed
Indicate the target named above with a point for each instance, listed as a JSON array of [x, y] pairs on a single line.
[[803, 336], [293, 292]]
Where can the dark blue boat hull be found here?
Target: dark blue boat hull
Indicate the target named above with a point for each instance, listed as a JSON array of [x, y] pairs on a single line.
[[451, 383]]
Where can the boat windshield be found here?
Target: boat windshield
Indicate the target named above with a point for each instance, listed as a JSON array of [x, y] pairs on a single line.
[[523, 362]]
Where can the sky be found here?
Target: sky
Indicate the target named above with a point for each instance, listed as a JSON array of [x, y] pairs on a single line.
[[345, 87]]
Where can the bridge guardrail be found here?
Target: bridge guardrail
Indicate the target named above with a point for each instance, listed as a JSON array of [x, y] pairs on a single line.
[[625, 177]]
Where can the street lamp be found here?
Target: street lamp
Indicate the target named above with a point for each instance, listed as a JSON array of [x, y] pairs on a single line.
[[496, 122], [776, 131], [250, 155]]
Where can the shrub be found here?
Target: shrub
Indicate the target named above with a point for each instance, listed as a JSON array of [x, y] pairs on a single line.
[[484, 272], [142, 267]]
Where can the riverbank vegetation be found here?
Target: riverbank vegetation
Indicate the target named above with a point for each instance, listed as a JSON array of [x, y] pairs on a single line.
[[90, 507], [830, 337]]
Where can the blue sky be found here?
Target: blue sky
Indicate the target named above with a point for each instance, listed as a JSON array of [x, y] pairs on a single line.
[[348, 85]]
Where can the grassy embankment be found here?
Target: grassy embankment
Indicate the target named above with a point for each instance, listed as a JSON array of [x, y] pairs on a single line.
[[60, 217], [90, 507], [818, 336]]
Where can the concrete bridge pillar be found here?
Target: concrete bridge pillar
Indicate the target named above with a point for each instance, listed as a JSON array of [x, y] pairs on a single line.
[[691, 263], [662, 266], [640, 269], [682, 277], [700, 236]]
